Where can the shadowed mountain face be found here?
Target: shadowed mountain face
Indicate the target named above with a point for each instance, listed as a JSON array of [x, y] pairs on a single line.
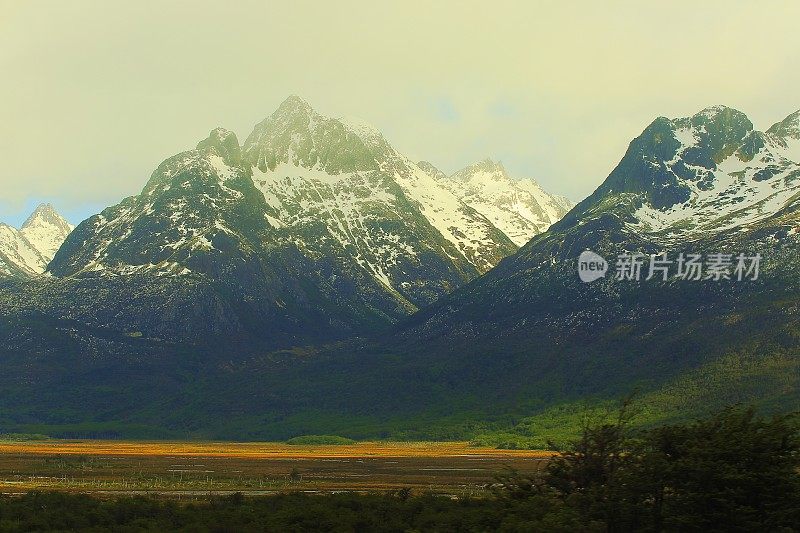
[[685, 178], [199, 243]]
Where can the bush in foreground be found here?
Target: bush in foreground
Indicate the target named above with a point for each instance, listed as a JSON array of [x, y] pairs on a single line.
[[734, 471]]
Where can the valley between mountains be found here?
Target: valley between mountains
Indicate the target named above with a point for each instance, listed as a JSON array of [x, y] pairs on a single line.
[[314, 280]]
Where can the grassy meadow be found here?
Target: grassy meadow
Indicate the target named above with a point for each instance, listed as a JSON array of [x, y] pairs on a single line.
[[201, 468]]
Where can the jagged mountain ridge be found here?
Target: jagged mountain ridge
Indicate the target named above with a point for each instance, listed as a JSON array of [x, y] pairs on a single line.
[[314, 169], [27, 251], [685, 178], [184, 206]]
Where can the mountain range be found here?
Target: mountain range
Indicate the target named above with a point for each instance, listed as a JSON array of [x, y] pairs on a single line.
[[314, 280]]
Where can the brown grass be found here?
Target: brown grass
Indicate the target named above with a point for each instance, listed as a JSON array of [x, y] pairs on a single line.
[[263, 450], [218, 467]]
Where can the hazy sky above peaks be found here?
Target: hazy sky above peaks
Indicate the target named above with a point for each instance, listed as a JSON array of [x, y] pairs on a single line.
[[96, 94]]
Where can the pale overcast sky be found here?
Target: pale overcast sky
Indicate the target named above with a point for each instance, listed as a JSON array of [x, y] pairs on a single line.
[[95, 94]]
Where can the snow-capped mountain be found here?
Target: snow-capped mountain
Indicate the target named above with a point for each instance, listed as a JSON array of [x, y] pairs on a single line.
[[335, 190], [520, 208], [46, 230], [27, 251], [375, 205], [183, 208], [314, 228], [683, 179], [195, 257]]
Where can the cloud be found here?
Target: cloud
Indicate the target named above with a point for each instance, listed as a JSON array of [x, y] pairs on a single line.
[[96, 94]]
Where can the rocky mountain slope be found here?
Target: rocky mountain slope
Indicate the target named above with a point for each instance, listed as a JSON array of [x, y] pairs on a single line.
[[27, 251], [712, 172]]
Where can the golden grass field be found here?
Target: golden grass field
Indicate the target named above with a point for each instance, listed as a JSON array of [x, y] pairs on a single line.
[[188, 468]]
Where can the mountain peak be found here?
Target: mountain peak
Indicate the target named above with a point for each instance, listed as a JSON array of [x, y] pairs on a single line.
[[45, 213], [296, 134], [225, 143], [723, 120], [43, 209], [693, 175], [518, 207], [45, 230], [491, 165], [714, 110], [294, 104]]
